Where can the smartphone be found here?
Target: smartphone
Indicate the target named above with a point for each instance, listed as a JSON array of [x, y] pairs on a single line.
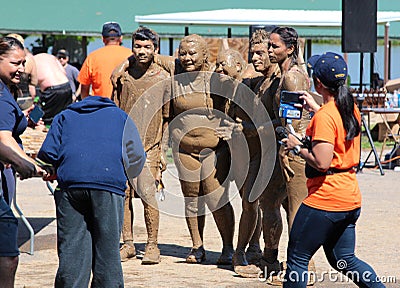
[[36, 114], [287, 108], [290, 97]]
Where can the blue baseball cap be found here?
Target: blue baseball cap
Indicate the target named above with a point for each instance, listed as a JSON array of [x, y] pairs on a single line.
[[329, 68], [111, 29]]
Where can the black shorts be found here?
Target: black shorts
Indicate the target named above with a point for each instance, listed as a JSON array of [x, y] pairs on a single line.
[[8, 231], [55, 99]]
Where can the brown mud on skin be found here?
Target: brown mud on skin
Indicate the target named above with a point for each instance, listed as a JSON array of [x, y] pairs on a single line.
[[193, 134], [141, 85]]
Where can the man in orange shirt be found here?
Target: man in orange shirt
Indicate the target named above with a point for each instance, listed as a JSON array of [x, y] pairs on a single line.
[[98, 66]]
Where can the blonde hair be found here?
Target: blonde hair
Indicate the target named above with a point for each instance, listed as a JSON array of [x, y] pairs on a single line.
[[18, 37], [259, 36]]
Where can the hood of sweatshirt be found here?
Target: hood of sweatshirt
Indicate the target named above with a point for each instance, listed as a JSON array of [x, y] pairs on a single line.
[[91, 104]]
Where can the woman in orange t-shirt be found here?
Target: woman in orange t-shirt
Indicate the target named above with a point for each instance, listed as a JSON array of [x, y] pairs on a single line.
[[327, 217]]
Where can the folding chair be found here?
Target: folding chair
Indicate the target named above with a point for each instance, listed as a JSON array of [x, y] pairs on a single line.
[[392, 133]]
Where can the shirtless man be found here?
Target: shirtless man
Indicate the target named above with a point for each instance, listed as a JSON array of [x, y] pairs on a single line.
[[273, 193], [137, 83], [56, 93], [231, 63]]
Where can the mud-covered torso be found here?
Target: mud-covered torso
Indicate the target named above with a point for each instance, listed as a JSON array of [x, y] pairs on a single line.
[[266, 91], [144, 99], [256, 106], [198, 107]]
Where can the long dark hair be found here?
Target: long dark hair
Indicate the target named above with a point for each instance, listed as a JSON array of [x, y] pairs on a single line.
[[344, 101], [290, 37]]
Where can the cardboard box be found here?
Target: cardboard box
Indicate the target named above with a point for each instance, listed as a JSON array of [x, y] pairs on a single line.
[[392, 85]]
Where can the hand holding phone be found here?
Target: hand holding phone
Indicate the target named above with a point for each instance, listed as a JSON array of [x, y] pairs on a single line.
[[36, 114]]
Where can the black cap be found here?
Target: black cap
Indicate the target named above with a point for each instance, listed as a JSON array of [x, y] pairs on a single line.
[[62, 53], [329, 67], [111, 29]]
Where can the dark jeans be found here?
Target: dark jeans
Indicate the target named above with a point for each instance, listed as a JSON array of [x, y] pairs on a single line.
[[89, 225], [335, 232]]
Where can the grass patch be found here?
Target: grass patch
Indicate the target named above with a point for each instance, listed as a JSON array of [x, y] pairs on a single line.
[[169, 159], [366, 145]]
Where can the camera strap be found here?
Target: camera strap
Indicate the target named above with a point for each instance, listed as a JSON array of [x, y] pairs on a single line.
[[311, 172]]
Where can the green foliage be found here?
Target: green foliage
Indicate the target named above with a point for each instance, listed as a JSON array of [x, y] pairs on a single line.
[[170, 158], [51, 40]]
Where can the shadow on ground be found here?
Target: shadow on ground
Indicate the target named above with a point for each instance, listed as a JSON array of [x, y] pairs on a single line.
[[41, 242], [181, 252]]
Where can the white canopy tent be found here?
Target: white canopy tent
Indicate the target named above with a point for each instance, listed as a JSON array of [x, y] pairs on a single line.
[[247, 17]]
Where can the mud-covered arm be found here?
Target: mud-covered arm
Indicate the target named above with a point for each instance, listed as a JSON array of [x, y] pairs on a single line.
[[120, 69], [115, 78], [167, 115], [296, 80], [168, 63]]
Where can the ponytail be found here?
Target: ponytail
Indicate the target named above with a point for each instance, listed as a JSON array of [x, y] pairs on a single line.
[[345, 103]]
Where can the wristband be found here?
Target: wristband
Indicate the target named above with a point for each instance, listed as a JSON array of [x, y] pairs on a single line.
[[296, 149]]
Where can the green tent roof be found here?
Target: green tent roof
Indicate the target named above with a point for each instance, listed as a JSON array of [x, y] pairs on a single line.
[[85, 17]]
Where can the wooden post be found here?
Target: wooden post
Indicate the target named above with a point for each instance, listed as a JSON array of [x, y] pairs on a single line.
[[84, 47], [371, 68], [171, 46], [386, 54]]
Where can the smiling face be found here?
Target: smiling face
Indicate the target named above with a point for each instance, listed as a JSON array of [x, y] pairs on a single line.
[[260, 57], [191, 56], [144, 51], [278, 51], [12, 65]]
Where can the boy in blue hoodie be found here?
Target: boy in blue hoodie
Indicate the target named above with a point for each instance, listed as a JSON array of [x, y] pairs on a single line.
[[94, 147]]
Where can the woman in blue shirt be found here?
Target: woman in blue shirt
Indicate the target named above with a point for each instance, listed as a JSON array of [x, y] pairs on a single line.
[[13, 123]]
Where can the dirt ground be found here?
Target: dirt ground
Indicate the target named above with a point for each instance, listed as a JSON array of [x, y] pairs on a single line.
[[377, 239]]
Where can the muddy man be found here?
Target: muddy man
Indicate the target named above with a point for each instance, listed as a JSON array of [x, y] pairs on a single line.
[[139, 87], [231, 63], [270, 195]]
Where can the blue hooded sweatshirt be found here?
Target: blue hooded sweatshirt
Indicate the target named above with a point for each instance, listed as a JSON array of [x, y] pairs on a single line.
[[94, 145]]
